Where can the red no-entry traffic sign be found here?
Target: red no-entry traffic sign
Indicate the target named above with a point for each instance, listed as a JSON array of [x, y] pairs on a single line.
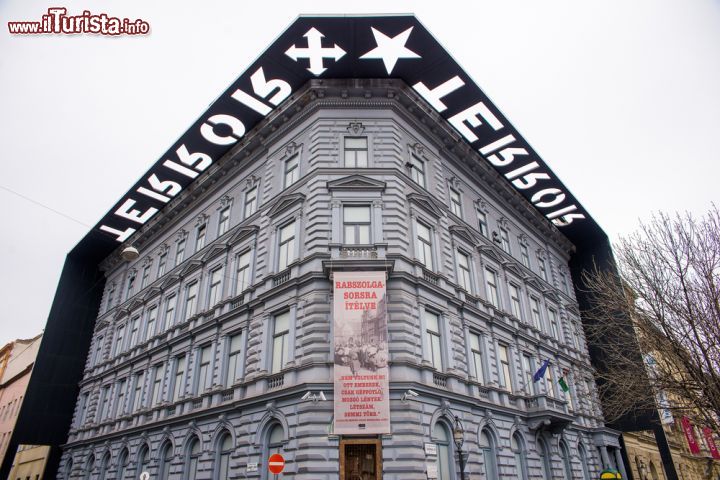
[[276, 463]]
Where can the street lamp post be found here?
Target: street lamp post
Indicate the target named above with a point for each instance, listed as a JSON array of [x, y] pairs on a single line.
[[458, 438]]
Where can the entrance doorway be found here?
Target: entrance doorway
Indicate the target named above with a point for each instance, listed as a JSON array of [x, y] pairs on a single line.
[[361, 459]]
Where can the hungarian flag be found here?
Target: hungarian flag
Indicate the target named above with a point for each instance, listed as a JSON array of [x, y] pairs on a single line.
[[563, 384], [541, 371]]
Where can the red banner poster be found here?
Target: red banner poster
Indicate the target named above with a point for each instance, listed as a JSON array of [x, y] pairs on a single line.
[[710, 440], [362, 389], [690, 436]]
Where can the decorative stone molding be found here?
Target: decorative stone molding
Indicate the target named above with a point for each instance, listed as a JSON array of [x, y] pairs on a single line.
[[355, 128], [201, 220]]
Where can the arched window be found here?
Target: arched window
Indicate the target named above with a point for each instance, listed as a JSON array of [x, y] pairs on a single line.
[[517, 445], [122, 464], [143, 460], [653, 471], [222, 456], [489, 453], [89, 467], [192, 458], [445, 465], [544, 458], [104, 464], [584, 462], [68, 469], [565, 456], [273, 443], [166, 454]]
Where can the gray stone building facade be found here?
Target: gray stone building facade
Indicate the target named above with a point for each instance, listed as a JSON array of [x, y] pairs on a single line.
[[206, 344]]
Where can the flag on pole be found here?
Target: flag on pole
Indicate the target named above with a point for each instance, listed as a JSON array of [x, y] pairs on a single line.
[[541, 371], [563, 384]]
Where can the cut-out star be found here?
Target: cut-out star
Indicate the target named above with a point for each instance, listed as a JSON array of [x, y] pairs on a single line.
[[390, 50]]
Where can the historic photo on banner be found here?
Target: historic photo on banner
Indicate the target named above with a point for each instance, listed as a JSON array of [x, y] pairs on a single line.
[[362, 403]]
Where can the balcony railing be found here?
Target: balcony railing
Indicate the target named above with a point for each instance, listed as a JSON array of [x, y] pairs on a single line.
[[276, 381]]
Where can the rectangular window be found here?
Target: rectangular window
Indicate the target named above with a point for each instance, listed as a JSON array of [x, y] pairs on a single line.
[[286, 246], [178, 389], [162, 261], [535, 312], [552, 317], [455, 202], [432, 325], [104, 403], [234, 357], [476, 352], [424, 245], [200, 237], [417, 170], [224, 221], [543, 269], [215, 289], [145, 277], [98, 350], [550, 381], [170, 312], [292, 170], [119, 338], [563, 283], [356, 225], [130, 286], [505, 240], [204, 378], [356, 152], [515, 306], [491, 288], [280, 342], [120, 399], [482, 223], [82, 410], [191, 300], [504, 367], [528, 374], [137, 394], [524, 255], [151, 321], [156, 386], [180, 252], [250, 202], [463, 265], [242, 278], [134, 331], [110, 299]]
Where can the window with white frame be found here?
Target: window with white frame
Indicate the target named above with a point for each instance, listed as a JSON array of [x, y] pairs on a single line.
[[463, 266], [104, 403], [150, 325], [477, 358], [528, 374], [119, 339], [200, 237], [251, 202], [204, 376], [191, 300], [134, 331], [286, 246], [542, 268], [356, 224], [234, 357], [356, 152], [162, 262], [98, 350], [224, 221], [524, 255], [180, 252], [417, 170], [82, 410], [491, 287], [170, 305], [563, 282], [550, 381], [432, 330], [215, 288], [178, 385], [280, 342], [292, 170], [553, 319], [145, 277], [455, 202], [424, 245], [504, 359], [505, 240], [120, 398], [482, 223], [156, 385], [110, 298], [242, 274], [130, 286], [138, 382], [535, 312], [515, 305]]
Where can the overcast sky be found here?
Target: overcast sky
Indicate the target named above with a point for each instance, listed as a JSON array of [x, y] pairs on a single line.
[[621, 99]]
